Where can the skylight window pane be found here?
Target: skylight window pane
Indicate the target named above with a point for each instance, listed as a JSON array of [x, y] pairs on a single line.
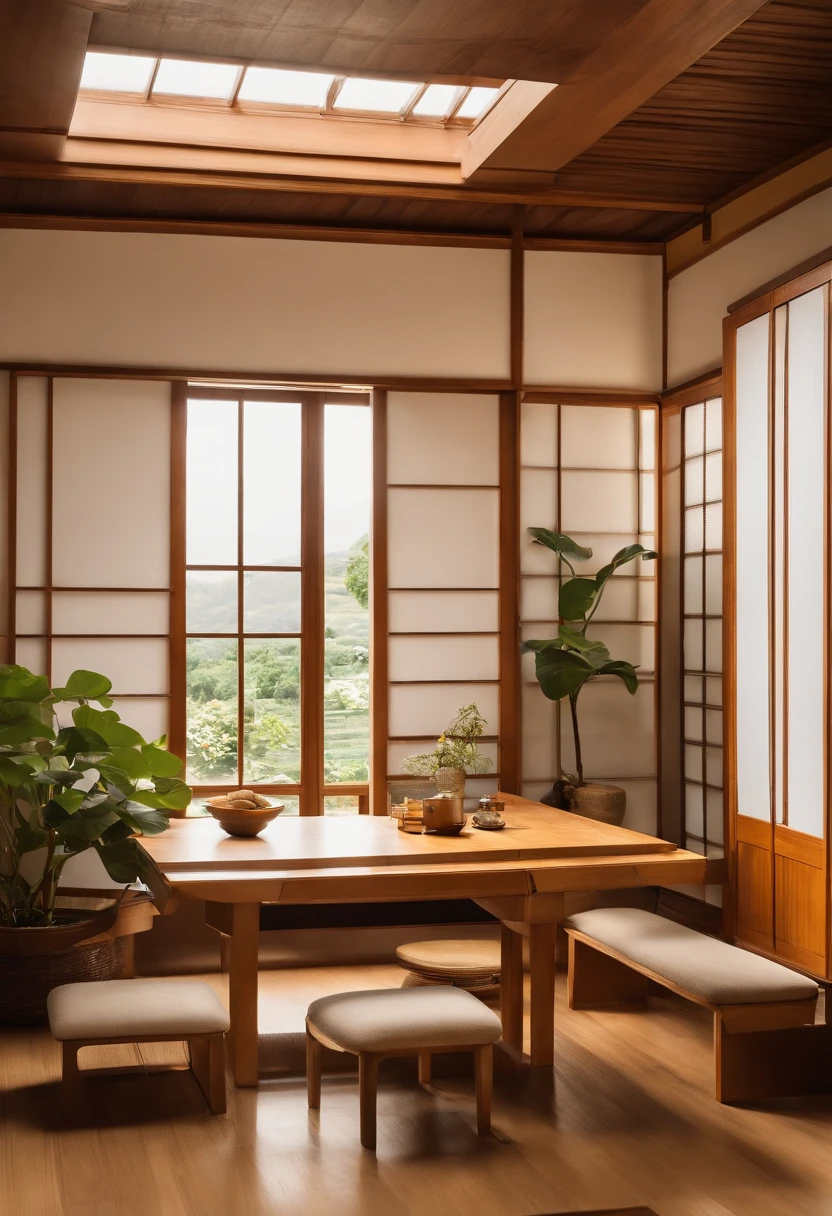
[[285, 88], [476, 101], [188, 78], [383, 96], [436, 100], [116, 73]]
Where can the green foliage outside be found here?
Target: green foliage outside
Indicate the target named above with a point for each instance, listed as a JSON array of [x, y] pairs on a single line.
[[272, 693], [357, 578]]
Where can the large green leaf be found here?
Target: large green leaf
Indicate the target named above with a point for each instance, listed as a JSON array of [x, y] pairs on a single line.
[[88, 685], [22, 728], [108, 725], [168, 794], [594, 652], [162, 763], [561, 544], [624, 671], [621, 558], [75, 741], [18, 683], [127, 760], [145, 820], [126, 861], [70, 800], [88, 824], [576, 598], [561, 673], [28, 834]]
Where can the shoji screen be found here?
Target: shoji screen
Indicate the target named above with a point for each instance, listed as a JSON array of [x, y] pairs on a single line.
[[443, 548], [91, 563], [780, 582], [701, 531], [589, 471]]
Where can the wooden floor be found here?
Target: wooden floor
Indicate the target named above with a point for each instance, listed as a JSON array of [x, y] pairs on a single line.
[[628, 1120]]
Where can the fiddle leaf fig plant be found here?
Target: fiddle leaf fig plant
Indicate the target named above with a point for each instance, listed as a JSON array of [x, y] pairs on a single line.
[[565, 663], [91, 783]]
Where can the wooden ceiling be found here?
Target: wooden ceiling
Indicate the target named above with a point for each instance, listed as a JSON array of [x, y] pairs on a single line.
[[521, 40], [757, 99], [761, 97]]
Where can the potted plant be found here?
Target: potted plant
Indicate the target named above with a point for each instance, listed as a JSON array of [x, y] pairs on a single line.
[[566, 663], [455, 755], [91, 783]]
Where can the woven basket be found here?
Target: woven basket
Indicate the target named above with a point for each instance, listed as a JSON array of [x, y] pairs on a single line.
[[604, 803], [25, 982]]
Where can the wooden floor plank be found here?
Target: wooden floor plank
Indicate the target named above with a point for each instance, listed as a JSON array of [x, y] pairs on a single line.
[[627, 1120]]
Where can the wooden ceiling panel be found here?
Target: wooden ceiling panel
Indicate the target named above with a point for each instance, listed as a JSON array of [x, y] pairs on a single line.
[[525, 39], [758, 99]]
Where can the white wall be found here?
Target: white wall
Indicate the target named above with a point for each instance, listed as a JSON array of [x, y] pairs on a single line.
[[698, 298], [593, 320], [251, 305]]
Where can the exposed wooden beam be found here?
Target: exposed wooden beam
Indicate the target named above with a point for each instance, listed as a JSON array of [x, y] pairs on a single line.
[[93, 161], [42, 47], [632, 63]]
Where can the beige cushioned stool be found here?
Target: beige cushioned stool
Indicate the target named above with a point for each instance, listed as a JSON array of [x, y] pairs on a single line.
[[142, 1011], [379, 1024]]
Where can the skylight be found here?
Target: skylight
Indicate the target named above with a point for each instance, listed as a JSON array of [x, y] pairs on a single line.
[[232, 85], [285, 88], [117, 73], [383, 96], [190, 78], [476, 102], [437, 100]]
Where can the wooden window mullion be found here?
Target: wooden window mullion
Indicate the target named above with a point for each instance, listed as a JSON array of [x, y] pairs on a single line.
[[312, 606]]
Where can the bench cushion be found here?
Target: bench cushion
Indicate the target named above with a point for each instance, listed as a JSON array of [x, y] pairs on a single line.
[[711, 970], [117, 1009], [400, 1019]]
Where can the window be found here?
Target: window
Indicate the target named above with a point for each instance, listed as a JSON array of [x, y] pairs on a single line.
[[280, 89], [277, 644]]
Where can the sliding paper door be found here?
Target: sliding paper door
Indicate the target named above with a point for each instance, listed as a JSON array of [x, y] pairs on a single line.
[[443, 500], [779, 581], [90, 574]]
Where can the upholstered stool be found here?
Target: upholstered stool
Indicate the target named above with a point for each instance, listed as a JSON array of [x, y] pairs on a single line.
[[469, 964], [400, 1022], [141, 1011]]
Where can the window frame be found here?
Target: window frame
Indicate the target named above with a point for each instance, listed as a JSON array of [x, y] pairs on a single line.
[[311, 789]]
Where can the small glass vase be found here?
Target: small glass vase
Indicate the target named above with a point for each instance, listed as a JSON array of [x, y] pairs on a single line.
[[450, 781]]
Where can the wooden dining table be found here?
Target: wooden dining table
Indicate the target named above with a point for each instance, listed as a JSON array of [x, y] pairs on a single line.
[[520, 874]]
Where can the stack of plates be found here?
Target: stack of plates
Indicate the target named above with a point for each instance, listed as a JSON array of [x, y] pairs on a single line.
[[472, 965]]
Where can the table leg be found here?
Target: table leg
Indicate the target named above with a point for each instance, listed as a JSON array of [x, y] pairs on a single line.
[[242, 987], [511, 987], [542, 973]]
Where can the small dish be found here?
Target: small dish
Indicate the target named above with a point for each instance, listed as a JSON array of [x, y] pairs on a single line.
[[488, 825], [245, 822]]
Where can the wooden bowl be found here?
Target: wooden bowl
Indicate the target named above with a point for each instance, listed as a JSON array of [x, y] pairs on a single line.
[[245, 822]]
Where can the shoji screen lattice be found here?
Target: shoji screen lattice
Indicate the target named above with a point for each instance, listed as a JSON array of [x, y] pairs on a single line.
[[701, 532], [778, 442], [90, 574], [589, 471], [443, 570]]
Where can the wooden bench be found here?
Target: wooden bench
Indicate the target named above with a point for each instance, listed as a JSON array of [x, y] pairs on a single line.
[[766, 1044]]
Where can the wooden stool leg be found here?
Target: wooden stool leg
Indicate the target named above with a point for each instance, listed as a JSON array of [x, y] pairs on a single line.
[[483, 1069], [368, 1064], [424, 1068], [216, 1073], [313, 1071], [70, 1079]]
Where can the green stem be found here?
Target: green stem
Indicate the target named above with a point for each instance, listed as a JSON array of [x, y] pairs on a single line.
[[579, 764]]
